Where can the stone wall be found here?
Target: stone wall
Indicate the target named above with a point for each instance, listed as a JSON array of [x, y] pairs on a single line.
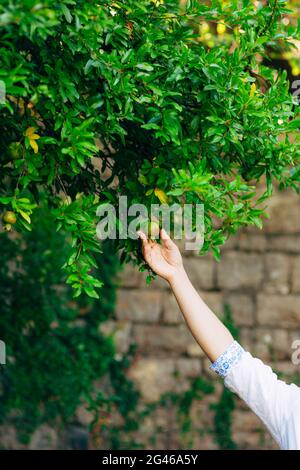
[[259, 278]]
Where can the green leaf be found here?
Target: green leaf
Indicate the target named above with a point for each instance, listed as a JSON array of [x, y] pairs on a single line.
[[25, 216], [91, 292], [66, 12], [145, 66]]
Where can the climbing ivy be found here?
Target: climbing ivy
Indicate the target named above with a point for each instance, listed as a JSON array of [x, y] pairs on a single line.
[[54, 348]]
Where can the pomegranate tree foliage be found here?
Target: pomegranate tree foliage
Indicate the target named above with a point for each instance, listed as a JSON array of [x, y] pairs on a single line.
[[123, 98]]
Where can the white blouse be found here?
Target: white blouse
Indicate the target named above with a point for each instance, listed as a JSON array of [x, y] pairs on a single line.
[[276, 403]]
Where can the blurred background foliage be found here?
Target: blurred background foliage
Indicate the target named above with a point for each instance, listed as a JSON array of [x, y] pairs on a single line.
[[54, 348], [278, 55]]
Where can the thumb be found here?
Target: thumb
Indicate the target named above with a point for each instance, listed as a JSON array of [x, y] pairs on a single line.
[[141, 235], [143, 238]]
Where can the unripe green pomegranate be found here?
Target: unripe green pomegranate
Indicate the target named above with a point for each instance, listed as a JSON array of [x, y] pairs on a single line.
[[9, 218]]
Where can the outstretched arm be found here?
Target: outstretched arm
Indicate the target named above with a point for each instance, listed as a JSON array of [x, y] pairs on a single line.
[[165, 259], [276, 403]]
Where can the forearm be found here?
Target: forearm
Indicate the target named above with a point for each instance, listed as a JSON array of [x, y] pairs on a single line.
[[273, 401], [210, 333]]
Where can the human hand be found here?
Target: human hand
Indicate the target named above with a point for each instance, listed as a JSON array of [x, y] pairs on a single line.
[[165, 258]]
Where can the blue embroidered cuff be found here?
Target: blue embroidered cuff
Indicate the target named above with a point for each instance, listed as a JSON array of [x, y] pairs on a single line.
[[228, 359]]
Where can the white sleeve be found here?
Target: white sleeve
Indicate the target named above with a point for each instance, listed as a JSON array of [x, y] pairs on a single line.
[[271, 399]]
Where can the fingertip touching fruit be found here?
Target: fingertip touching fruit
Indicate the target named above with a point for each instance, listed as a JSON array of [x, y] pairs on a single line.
[[150, 227]]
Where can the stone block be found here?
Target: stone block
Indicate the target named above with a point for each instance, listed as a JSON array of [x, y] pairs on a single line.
[[153, 376], [253, 242], [280, 310], [296, 273], [242, 308], [284, 213], [158, 338], [238, 270], [171, 311], [139, 305], [201, 271], [272, 344], [277, 269], [284, 243]]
